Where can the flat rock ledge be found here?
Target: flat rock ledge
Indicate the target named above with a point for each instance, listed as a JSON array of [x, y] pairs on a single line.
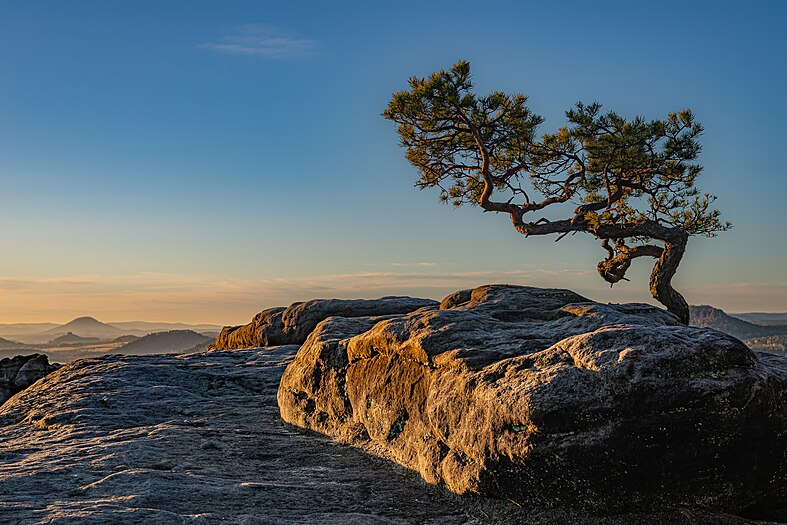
[[547, 399], [292, 325], [197, 439]]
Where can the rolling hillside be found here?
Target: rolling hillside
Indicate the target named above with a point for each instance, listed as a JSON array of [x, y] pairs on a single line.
[[710, 317], [6, 344], [72, 339], [174, 341], [147, 327], [86, 327], [20, 329]]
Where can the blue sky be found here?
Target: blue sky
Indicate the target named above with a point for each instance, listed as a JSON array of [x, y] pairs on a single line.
[[197, 161]]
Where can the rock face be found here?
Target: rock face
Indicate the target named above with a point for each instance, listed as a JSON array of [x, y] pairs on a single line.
[[548, 399], [21, 371], [292, 325], [197, 439]]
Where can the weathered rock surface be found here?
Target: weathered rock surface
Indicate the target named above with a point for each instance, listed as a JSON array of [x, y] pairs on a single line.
[[193, 439], [548, 399], [292, 325], [197, 438], [21, 371]]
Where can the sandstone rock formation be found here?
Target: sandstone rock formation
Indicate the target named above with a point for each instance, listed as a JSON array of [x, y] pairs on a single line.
[[21, 371], [197, 438], [548, 399], [292, 325]]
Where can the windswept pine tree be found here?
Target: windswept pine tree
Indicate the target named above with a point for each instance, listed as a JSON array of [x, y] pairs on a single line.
[[628, 182]]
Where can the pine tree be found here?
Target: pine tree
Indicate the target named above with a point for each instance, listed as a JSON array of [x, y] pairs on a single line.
[[628, 182]]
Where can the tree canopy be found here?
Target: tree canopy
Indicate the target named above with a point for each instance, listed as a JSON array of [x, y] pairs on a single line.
[[629, 182]]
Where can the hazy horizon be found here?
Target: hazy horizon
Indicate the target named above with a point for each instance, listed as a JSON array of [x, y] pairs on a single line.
[[196, 165], [249, 298]]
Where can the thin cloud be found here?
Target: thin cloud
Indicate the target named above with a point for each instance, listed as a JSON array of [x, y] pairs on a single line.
[[263, 41], [423, 264]]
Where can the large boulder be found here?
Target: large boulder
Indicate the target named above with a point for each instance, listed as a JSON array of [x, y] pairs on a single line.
[[21, 371], [194, 438], [197, 439], [546, 398], [292, 325]]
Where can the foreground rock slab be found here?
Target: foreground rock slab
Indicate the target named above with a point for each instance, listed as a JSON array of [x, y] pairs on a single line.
[[197, 439], [547, 399], [189, 439]]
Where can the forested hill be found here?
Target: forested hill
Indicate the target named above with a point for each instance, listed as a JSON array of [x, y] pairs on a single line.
[[710, 317]]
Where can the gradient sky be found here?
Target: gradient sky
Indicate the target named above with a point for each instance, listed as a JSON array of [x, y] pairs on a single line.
[[200, 160]]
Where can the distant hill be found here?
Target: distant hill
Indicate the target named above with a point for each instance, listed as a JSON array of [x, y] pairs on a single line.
[[16, 329], [126, 338], [70, 338], [37, 333], [147, 327], [710, 317], [86, 327], [174, 341], [6, 344], [763, 318]]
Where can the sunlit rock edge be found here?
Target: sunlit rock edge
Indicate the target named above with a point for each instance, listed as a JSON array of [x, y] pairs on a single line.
[[548, 399]]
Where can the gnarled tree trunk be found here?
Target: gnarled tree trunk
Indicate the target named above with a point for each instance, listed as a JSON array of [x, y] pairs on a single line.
[[662, 274], [613, 268]]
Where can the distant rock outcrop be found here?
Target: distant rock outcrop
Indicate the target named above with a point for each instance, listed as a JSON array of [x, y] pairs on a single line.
[[547, 399], [292, 325], [705, 316], [21, 371], [773, 344]]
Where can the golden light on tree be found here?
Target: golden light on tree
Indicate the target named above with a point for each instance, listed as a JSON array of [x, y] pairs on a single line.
[[628, 182]]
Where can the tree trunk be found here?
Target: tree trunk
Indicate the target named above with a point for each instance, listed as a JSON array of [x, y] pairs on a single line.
[[662, 274]]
